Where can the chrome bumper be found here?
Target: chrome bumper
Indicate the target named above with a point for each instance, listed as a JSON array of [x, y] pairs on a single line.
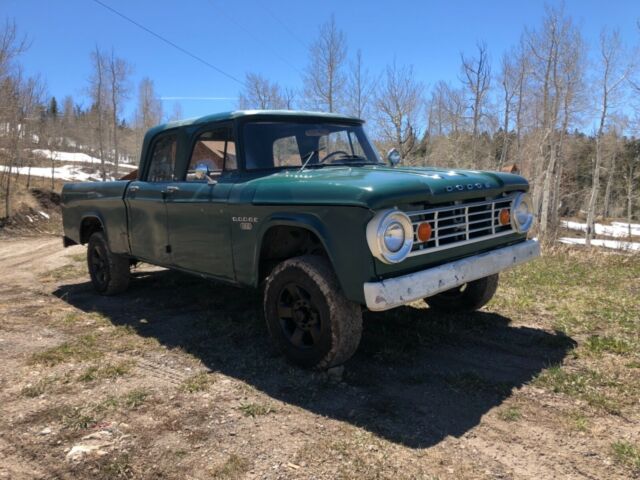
[[397, 291]]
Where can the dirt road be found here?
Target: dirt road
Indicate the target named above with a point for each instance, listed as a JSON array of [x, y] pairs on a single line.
[[176, 379]]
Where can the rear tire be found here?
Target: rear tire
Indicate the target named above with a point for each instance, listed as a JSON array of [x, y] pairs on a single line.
[[465, 298], [110, 273], [308, 317]]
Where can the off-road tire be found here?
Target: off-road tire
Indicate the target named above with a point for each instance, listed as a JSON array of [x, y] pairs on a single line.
[[110, 273], [340, 320], [466, 298]]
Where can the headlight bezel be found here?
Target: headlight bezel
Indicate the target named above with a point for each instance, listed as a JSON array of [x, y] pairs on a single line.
[[376, 229], [522, 199]]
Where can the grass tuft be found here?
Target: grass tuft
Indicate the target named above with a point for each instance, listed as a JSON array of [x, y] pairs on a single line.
[[35, 389], [584, 384], [197, 383], [255, 409], [136, 398], [626, 454], [108, 371], [234, 467], [77, 419], [510, 414], [598, 345]]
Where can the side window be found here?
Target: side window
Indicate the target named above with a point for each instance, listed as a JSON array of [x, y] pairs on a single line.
[[214, 149], [163, 159], [286, 152]]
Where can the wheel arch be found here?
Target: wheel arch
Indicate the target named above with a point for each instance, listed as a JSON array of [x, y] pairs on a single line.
[[309, 224], [91, 223]]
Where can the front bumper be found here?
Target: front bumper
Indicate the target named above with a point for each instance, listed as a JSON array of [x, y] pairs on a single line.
[[397, 291]]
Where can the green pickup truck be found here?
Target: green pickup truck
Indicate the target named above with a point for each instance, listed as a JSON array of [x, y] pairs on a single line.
[[301, 204]]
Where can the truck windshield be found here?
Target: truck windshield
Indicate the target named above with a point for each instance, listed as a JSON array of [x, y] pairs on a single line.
[[292, 145]]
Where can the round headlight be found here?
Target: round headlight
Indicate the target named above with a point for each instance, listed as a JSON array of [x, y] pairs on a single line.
[[394, 237], [522, 213], [390, 236]]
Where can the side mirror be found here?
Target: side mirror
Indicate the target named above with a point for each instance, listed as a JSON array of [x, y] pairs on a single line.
[[393, 157], [201, 172]]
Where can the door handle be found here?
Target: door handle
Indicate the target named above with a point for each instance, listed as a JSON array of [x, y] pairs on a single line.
[[172, 188], [134, 188]]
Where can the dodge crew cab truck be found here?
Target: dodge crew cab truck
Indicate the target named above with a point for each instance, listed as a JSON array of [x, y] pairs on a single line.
[[301, 204]]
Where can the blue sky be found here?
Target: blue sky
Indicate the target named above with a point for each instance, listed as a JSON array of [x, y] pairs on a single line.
[[269, 37]]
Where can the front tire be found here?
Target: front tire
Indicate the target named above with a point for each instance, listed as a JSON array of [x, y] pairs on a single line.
[[308, 317], [466, 298], [109, 272]]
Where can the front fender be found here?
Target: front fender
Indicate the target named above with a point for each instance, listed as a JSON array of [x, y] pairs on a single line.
[[341, 230]]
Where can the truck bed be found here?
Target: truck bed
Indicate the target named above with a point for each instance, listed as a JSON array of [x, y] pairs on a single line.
[[96, 200]]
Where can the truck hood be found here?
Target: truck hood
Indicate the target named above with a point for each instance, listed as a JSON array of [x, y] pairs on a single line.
[[379, 186]]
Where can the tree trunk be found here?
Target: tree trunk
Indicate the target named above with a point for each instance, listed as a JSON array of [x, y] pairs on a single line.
[[629, 199], [607, 191], [546, 192], [595, 187]]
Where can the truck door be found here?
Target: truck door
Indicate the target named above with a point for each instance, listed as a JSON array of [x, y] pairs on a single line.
[[197, 215], [145, 199]]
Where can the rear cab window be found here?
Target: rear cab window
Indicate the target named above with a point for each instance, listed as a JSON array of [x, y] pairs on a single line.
[[163, 159]]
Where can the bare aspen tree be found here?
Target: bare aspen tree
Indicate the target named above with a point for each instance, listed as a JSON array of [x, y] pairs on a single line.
[[149, 108], [476, 77], [118, 74], [631, 175], [262, 94], [98, 93], [289, 98], [11, 46], [509, 85], [398, 104], [522, 67], [359, 89], [324, 79], [556, 62], [22, 97], [614, 71], [148, 111], [176, 112], [613, 146]]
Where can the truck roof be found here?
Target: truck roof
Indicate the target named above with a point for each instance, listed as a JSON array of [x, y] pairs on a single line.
[[280, 114]]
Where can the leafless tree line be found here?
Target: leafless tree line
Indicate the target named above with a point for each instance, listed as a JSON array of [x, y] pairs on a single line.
[[564, 114], [29, 119]]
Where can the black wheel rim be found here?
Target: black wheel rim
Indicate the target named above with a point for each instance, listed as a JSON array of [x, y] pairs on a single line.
[[99, 266], [299, 317]]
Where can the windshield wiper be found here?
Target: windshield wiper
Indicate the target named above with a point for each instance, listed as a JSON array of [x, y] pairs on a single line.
[[359, 157], [307, 158]]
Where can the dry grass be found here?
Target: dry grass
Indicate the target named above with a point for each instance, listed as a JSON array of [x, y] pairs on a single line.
[[128, 363]]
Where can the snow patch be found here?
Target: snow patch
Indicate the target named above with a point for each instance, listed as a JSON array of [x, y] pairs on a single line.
[[67, 173], [74, 157], [615, 244], [616, 229]]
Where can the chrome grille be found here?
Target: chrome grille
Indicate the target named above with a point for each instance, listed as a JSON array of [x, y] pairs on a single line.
[[460, 224]]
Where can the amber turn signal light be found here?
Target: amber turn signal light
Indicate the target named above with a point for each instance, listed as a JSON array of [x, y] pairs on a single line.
[[504, 217], [424, 232]]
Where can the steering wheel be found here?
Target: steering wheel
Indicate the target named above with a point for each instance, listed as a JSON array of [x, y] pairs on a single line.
[[332, 154]]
